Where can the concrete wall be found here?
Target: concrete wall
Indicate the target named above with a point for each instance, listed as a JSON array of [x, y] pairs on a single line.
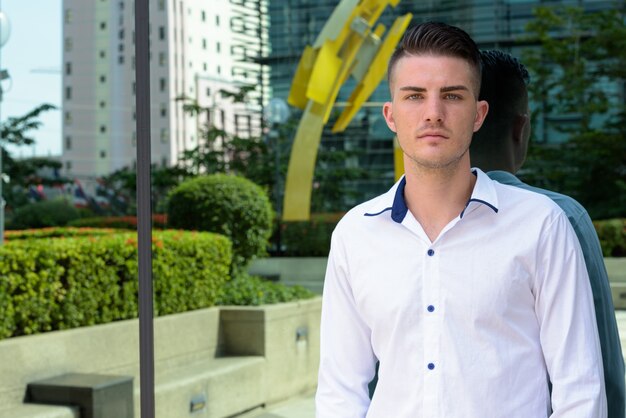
[[237, 358]]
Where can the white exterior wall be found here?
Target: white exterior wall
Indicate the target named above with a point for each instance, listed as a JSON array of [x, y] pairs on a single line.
[[190, 54]]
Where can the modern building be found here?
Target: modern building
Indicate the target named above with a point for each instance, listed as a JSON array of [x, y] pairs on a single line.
[[198, 48], [492, 23]]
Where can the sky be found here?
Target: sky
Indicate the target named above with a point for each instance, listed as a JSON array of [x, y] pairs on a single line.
[[32, 55]]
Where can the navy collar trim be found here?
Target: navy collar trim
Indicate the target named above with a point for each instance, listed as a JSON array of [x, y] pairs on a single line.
[[495, 209], [376, 214], [399, 208]]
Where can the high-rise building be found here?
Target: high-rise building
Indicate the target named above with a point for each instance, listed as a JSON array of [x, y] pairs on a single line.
[[492, 24], [198, 48]]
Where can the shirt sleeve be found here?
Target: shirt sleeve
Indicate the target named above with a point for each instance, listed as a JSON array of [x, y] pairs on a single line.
[[568, 330], [612, 359], [347, 362]]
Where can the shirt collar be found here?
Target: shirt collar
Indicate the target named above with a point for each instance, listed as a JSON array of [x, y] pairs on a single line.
[[484, 193]]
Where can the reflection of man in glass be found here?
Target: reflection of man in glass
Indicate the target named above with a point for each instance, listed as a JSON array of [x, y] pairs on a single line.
[[473, 295], [500, 147]]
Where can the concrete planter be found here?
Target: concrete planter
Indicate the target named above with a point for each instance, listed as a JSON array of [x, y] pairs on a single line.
[[234, 358], [308, 272]]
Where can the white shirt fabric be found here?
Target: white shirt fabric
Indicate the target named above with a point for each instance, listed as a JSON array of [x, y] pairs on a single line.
[[472, 325]]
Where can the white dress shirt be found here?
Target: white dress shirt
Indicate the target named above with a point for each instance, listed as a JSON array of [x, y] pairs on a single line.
[[472, 325]]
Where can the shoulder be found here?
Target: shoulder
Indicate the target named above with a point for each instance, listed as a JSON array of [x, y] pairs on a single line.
[[574, 211]]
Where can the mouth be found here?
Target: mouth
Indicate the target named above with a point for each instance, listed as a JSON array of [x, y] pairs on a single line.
[[432, 135]]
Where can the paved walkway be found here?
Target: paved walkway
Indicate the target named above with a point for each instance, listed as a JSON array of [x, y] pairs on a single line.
[[304, 406]]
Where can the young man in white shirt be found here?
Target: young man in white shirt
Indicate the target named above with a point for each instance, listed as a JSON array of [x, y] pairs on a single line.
[[472, 295]]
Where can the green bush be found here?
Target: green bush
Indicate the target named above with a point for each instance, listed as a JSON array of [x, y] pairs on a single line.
[[228, 205], [57, 212], [50, 284], [253, 291], [307, 238], [612, 235]]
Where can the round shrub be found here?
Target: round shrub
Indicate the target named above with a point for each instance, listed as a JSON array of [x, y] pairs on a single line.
[[229, 205]]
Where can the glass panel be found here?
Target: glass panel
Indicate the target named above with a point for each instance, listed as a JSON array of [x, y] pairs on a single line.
[[68, 293]]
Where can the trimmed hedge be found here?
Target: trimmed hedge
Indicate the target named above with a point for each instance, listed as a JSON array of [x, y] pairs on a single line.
[[228, 205], [253, 291], [56, 232], [52, 284], [612, 235], [306, 238], [159, 221]]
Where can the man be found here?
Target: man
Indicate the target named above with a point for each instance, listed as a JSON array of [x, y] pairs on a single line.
[[500, 148], [469, 304]]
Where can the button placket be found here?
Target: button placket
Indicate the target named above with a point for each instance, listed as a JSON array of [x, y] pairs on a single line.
[[432, 329]]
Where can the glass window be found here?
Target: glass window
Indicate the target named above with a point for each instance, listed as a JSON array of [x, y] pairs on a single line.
[[68, 68], [68, 93], [68, 142], [68, 44], [68, 16]]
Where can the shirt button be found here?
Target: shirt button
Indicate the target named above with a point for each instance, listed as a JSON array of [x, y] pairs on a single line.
[[430, 308], [431, 366], [431, 252]]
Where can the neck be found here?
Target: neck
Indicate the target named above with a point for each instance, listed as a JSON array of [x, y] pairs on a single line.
[[436, 196]]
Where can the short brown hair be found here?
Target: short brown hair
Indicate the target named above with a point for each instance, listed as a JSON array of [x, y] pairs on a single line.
[[438, 39]]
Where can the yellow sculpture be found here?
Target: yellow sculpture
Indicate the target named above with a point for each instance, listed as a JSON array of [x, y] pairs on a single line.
[[347, 46]]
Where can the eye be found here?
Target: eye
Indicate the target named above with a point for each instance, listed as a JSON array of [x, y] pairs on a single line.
[[415, 96], [452, 96]]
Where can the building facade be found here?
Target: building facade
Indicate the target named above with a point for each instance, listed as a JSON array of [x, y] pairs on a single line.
[[492, 24], [198, 49]]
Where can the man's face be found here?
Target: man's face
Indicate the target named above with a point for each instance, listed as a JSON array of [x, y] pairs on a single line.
[[434, 111]]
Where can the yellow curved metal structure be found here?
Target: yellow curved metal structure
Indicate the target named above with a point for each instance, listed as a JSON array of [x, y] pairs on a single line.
[[348, 45]]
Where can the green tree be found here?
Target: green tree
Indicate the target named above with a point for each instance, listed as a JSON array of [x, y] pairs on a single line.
[[221, 152], [579, 54], [122, 184], [21, 173]]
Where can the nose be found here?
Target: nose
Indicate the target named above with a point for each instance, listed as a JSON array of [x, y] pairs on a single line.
[[434, 112]]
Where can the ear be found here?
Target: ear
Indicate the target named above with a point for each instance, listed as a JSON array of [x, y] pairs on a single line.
[[482, 107], [388, 114]]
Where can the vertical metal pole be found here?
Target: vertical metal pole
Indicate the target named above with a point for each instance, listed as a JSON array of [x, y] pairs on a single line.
[[144, 210], [2, 202]]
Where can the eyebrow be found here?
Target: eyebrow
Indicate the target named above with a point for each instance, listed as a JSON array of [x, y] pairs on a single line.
[[441, 90]]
